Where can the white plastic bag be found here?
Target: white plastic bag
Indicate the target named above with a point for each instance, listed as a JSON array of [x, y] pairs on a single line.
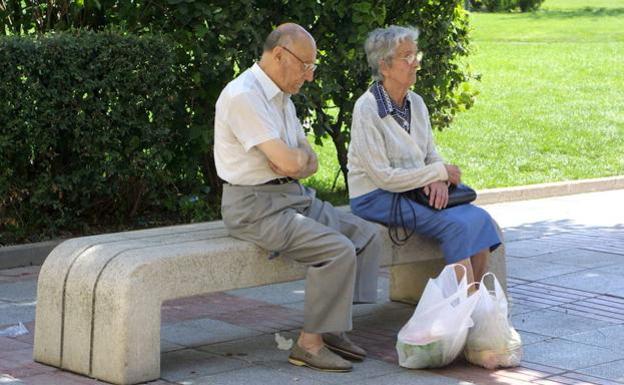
[[14, 331], [492, 342], [436, 333]]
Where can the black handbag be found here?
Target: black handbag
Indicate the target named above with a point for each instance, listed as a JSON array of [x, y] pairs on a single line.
[[458, 195]]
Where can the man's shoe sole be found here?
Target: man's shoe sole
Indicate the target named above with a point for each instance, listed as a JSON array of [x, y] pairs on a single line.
[[298, 362], [345, 353]]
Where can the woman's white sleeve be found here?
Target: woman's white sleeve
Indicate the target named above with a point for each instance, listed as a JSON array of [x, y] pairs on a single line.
[[370, 148]]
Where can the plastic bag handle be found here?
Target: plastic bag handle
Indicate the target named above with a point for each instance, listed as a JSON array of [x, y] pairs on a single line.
[[459, 293], [498, 289], [464, 277]]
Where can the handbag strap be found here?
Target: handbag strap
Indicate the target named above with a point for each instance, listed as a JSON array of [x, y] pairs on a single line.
[[396, 221]]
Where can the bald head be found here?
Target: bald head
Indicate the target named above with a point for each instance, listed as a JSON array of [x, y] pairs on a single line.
[[288, 57], [288, 34]]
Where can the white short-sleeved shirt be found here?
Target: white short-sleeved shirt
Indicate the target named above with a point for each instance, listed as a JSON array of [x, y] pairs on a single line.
[[251, 110]]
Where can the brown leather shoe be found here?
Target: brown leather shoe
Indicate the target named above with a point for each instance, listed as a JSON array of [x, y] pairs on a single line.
[[342, 345], [324, 360]]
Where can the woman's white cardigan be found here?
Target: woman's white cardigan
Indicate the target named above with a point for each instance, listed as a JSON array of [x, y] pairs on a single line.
[[383, 155]]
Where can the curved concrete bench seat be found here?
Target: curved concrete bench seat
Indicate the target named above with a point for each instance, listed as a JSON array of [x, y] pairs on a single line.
[[99, 297]]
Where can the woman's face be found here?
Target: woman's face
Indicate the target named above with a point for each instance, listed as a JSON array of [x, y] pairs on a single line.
[[403, 67]]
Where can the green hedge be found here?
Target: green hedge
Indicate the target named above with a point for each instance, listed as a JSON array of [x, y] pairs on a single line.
[[86, 137], [505, 5]]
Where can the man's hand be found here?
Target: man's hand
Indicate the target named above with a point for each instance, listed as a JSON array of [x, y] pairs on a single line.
[[454, 173], [438, 194]]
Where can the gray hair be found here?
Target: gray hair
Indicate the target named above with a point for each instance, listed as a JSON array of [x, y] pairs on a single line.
[[381, 45], [275, 38]]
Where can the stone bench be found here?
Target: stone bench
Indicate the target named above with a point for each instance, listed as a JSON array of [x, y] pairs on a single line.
[[99, 298]]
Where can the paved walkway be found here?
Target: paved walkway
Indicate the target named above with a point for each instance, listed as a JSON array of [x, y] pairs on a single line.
[[566, 285]]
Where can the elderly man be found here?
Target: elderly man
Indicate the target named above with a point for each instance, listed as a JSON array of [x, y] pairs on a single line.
[[261, 153]]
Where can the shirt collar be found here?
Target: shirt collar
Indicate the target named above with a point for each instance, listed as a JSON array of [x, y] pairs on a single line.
[[270, 89], [384, 106]]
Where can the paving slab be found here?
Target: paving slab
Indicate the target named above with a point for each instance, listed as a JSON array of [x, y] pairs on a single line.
[[254, 350], [361, 371], [255, 375], [21, 272], [295, 306], [564, 213], [576, 378], [166, 346], [611, 371], [568, 355], [185, 364], [413, 377], [8, 345], [203, 331], [388, 319], [581, 258], [555, 324], [20, 291], [591, 280], [529, 338], [19, 363], [380, 308], [56, 378], [278, 294], [611, 337], [521, 308], [617, 269], [521, 234], [13, 313], [534, 270], [532, 247], [617, 292]]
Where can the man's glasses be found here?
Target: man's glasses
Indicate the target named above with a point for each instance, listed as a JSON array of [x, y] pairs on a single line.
[[306, 66], [413, 57]]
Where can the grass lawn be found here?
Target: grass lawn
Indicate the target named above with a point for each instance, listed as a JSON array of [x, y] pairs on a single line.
[[551, 102]]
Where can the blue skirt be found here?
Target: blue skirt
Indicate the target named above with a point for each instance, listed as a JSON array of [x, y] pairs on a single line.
[[462, 230]]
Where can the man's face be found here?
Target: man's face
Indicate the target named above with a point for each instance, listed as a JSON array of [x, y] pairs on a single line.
[[297, 65]]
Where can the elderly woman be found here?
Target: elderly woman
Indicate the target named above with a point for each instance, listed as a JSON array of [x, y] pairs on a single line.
[[392, 151]]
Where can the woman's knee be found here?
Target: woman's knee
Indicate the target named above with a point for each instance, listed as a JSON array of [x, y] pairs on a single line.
[[458, 227]]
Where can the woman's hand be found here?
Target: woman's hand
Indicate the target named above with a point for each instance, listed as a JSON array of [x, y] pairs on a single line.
[[438, 194], [454, 173]]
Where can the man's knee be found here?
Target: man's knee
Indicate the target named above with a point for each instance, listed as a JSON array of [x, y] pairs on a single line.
[[339, 253], [343, 247]]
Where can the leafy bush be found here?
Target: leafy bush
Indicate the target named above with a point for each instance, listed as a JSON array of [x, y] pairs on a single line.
[[529, 5], [86, 136], [505, 5]]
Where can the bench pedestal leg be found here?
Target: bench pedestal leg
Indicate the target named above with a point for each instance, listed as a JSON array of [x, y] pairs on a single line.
[[407, 281]]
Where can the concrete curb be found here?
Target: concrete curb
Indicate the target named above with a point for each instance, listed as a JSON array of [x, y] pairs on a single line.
[[25, 255], [36, 253], [547, 190]]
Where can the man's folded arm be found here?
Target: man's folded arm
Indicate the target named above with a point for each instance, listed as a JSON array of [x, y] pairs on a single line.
[[287, 161]]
